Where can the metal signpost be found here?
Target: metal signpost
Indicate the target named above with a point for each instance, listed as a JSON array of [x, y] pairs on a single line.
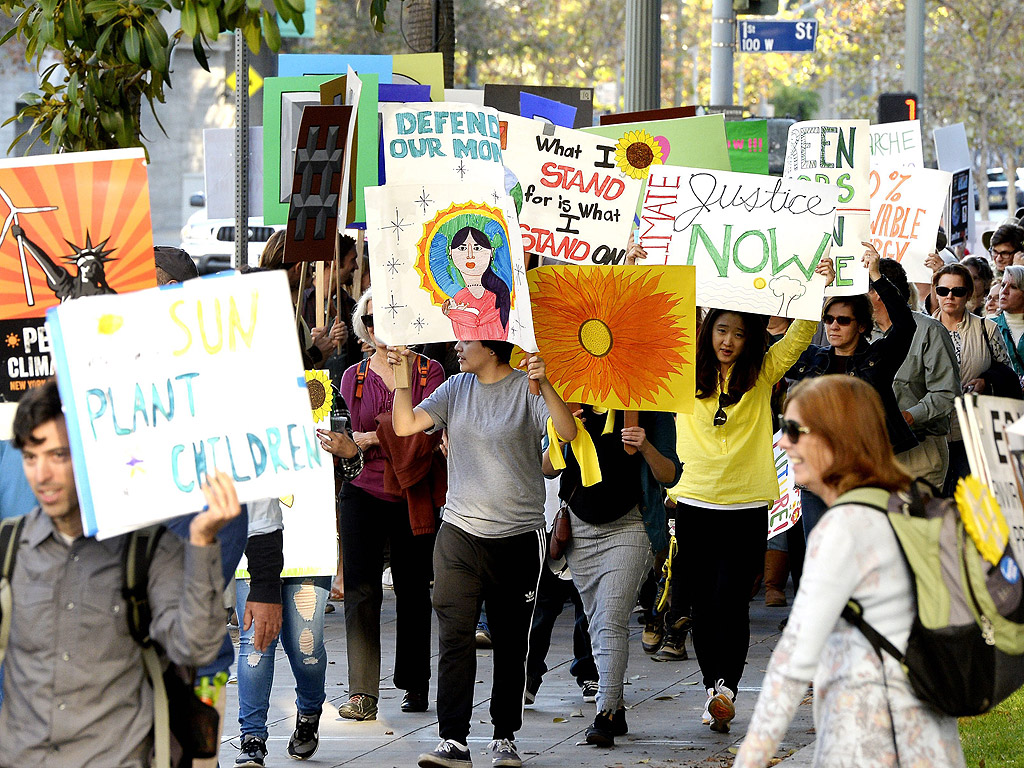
[[758, 36]]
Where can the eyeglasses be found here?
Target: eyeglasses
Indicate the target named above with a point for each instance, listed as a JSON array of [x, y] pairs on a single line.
[[1004, 253], [843, 320], [724, 401], [367, 320], [944, 290], [792, 430]]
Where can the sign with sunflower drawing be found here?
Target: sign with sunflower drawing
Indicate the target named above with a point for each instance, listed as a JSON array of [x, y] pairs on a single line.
[[577, 203], [754, 240], [447, 263], [619, 337], [71, 225], [158, 389], [310, 526]]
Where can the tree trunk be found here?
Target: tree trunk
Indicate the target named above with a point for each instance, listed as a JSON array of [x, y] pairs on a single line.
[[423, 34]]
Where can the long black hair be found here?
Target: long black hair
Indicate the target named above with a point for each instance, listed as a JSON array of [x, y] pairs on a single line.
[[489, 279], [748, 364]]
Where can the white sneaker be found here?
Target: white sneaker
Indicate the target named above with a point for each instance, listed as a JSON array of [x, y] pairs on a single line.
[[386, 580], [720, 707], [705, 718]]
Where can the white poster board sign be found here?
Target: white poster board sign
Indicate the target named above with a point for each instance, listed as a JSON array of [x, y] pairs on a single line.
[[159, 387], [755, 240], [838, 152], [785, 513], [896, 144], [219, 168]]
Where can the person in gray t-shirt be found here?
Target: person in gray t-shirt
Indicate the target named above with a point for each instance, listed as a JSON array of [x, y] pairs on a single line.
[[491, 543]]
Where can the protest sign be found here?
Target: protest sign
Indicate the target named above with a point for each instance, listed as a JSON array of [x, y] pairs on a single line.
[[219, 172], [837, 152], [464, 96], [896, 144], [302, 64], [577, 205], [988, 418], [906, 206], [785, 512], [158, 389], [447, 143], [748, 145], [447, 263], [420, 69], [617, 337], [953, 154], [310, 525], [362, 159], [320, 162], [396, 93], [548, 110], [647, 115], [75, 224], [755, 240], [505, 98]]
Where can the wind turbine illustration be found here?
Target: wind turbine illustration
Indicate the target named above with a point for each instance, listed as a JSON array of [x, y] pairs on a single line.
[[12, 218]]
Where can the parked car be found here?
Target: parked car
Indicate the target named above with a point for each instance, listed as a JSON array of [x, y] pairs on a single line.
[[211, 242], [997, 189]]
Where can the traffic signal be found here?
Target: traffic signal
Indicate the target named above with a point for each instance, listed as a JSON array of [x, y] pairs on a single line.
[[756, 7], [896, 107]]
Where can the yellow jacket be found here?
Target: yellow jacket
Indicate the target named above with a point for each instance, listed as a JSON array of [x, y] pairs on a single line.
[[732, 464]]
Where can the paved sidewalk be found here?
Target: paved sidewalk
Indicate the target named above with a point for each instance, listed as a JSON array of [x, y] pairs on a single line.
[[665, 701]]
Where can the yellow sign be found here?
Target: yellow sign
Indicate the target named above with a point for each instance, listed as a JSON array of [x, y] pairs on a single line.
[[255, 81]]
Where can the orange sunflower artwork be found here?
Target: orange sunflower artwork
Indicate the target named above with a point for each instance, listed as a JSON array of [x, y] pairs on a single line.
[[617, 337]]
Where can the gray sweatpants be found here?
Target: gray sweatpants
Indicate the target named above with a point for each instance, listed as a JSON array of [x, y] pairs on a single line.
[[608, 562]]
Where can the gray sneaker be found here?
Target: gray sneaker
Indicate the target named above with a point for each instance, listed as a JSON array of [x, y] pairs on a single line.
[[305, 738], [252, 753], [448, 754], [504, 754]]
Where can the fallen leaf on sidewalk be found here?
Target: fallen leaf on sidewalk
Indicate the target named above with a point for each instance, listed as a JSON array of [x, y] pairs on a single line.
[[560, 720], [734, 750], [389, 733], [665, 698], [577, 713]]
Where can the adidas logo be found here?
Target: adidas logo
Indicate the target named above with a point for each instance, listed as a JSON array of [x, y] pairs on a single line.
[[530, 596]]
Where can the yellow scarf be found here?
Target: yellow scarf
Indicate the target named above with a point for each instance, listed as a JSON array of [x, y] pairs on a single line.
[[582, 448]]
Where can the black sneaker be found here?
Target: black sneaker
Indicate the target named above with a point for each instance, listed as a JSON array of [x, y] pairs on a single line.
[[532, 686], [600, 733], [589, 688], [504, 754], [252, 753], [448, 754], [619, 727], [306, 737]]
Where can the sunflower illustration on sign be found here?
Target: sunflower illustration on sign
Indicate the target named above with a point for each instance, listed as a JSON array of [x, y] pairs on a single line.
[[465, 264], [321, 395], [617, 337], [636, 152]]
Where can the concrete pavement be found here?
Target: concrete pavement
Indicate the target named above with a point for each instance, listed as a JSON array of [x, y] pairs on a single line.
[[665, 701]]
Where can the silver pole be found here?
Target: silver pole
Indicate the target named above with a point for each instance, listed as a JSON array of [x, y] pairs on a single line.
[[241, 151], [913, 69], [643, 54], [723, 37]]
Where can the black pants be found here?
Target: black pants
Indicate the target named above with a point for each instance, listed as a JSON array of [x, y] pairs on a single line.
[[727, 552], [551, 597], [367, 525], [467, 571]]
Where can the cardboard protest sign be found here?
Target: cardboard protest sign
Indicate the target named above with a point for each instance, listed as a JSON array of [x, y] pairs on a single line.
[[748, 145], [219, 171], [647, 115], [988, 419], [618, 337], [302, 64], [320, 161], [447, 263], [953, 154], [310, 525], [75, 224], [897, 144], [785, 513], [445, 143], [755, 240], [420, 69], [158, 388], [906, 206], [396, 94], [362, 159], [548, 110], [837, 152], [505, 98], [577, 206]]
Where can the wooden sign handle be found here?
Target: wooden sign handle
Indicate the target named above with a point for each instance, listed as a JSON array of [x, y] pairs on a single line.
[[403, 371], [630, 419]]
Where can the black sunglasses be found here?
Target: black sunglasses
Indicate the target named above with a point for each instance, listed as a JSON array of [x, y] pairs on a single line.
[[792, 430], [843, 320], [959, 292], [724, 401], [367, 320]]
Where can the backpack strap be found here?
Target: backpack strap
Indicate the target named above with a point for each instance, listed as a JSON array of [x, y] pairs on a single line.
[[423, 363], [853, 612], [10, 536], [137, 558], [364, 366]]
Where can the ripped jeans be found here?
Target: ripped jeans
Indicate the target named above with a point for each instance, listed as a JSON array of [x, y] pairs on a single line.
[[302, 635]]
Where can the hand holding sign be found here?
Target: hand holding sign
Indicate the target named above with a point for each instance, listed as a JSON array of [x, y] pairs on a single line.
[[221, 508], [870, 260]]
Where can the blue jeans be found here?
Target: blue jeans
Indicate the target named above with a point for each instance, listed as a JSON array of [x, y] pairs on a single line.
[[302, 635]]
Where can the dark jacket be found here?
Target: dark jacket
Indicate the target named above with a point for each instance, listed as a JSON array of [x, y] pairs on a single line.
[[874, 362]]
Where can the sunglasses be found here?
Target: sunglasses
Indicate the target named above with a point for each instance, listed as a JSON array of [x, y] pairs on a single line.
[[724, 401], [843, 320], [944, 290], [367, 320], [792, 430]]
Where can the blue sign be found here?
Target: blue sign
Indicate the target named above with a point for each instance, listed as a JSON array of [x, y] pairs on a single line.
[[777, 36]]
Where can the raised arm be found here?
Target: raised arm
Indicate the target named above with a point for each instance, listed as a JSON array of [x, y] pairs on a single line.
[[406, 419], [565, 424]]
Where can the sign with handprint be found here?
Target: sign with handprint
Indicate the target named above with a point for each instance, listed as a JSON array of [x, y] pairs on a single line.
[[755, 240]]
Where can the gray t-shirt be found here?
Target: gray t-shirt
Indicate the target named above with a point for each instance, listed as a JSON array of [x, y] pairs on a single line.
[[495, 482]]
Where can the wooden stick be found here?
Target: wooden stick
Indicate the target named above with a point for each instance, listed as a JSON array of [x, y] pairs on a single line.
[[301, 300], [403, 371], [336, 287], [630, 419], [318, 317]]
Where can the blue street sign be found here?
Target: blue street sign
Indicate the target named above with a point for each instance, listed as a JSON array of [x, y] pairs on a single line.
[[777, 36]]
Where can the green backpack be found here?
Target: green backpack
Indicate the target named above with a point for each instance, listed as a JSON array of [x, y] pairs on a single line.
[[966, 648]]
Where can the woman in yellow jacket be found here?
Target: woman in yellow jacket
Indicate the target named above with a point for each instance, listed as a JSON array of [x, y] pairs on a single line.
[[729, 481]]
